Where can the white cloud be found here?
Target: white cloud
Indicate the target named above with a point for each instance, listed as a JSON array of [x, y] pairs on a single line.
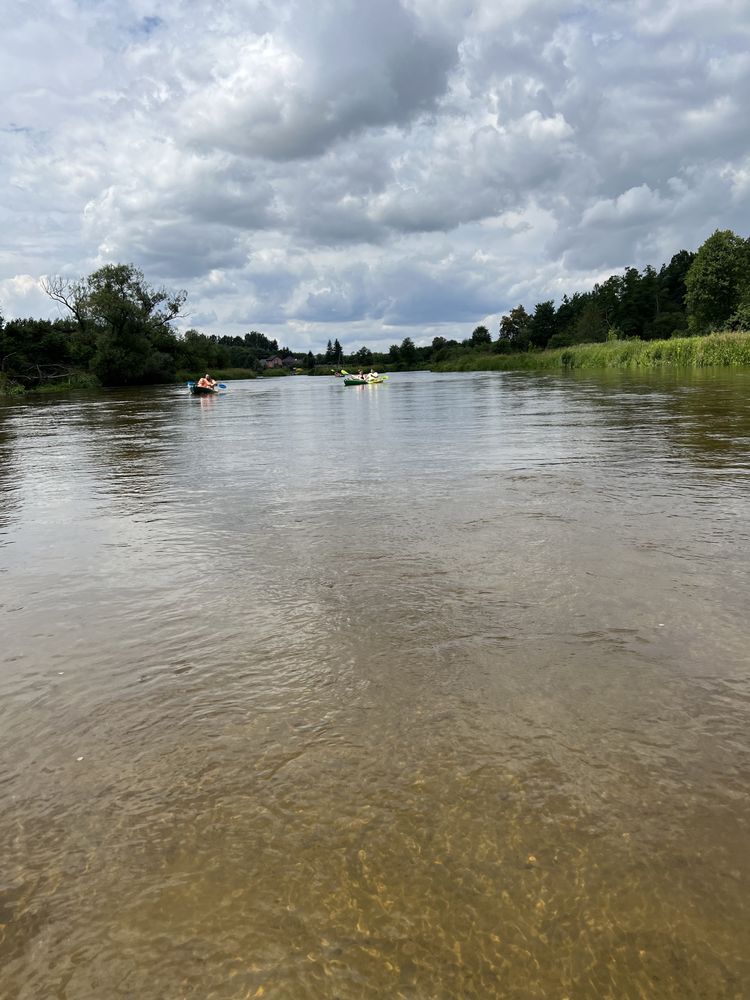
[[368, 169], [22, 295], [637, 206]]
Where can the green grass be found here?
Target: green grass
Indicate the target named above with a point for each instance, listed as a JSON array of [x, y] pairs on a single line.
[[715, 350], [76, 380], [8, 387]]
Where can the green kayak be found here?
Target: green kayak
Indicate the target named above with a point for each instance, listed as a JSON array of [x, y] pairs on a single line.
[[352, 380]]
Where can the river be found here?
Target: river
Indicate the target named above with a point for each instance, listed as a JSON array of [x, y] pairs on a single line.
[[438, 688]]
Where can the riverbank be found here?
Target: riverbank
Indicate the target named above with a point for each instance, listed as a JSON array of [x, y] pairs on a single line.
[[717, 350], [714, 350]]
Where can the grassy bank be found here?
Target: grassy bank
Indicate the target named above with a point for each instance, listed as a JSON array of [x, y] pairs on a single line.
[[75, 380], [715, 350]]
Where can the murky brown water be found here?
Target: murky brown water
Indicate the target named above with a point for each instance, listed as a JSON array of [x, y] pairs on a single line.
[[434, 689]]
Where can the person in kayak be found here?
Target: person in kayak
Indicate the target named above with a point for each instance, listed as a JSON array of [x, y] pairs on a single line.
[[206, 382]]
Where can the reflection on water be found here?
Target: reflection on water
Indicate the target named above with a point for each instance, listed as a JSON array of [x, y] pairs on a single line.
[[438, 689]]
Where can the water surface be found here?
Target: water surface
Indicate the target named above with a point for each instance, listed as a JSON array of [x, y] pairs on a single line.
[[432, 689]]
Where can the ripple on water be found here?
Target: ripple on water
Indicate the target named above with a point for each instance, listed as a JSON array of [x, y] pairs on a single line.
[[450, 702]]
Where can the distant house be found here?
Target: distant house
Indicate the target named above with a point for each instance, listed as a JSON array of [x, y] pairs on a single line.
[[274, 362]]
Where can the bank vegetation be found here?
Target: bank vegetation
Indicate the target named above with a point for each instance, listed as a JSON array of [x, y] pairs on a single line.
[[713, 350], [116, 328]]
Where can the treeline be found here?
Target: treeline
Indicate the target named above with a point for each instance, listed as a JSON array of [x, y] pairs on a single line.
[[119, 330], [695, 293]]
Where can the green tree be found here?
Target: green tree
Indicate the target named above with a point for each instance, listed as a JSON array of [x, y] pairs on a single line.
[[33, 351], [607, 298], [514, 329], [637, 305], [740, 318], [542, 324], [670, 323], [125, 321], [481, 335], [260, 343], [407, 351], [566, 319], [672, 287], [338, 354], [718, 281], [590, 326]]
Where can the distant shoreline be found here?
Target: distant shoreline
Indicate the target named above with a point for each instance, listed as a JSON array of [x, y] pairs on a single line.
[[714, 350]]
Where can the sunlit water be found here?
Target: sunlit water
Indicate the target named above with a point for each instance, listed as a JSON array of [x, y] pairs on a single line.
[[432, 689]]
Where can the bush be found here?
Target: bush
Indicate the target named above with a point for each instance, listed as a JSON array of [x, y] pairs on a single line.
[[8, 387], [560, 340], [740, 318]]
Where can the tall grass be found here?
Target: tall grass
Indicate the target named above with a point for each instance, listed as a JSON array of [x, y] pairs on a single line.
[[73, 380], [714, 350]]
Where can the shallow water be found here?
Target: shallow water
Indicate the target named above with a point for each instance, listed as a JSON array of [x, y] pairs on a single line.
[[432, 689]]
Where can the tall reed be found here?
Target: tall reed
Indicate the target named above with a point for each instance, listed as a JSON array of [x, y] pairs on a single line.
[[714, 350]]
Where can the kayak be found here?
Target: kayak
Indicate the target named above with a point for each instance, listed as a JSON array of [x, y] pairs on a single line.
[[352, 380], [204, 390]]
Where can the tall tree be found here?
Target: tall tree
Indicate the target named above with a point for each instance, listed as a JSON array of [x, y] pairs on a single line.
[[636, 305], [542, 324], [481, 335], [590, 326], [566, 318], [607, 297], [514, 329], [126, 320], [718, 280], [407, 351], [672, 288]]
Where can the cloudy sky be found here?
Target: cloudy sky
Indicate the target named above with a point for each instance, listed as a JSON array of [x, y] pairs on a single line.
[[366, 169]]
